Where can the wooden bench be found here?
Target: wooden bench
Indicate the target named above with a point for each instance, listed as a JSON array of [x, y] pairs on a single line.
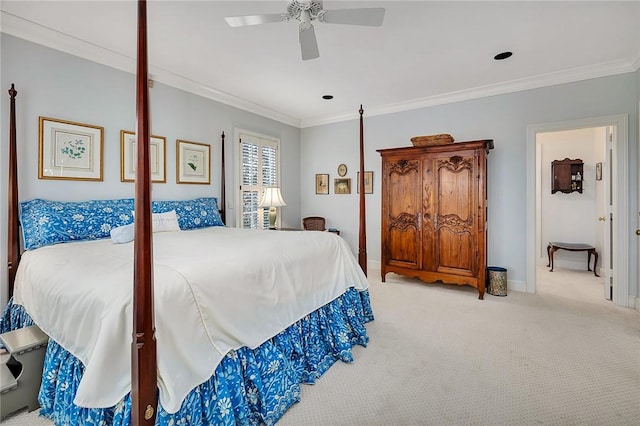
[[555, 246]]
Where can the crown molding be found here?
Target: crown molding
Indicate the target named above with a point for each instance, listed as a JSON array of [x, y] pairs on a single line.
[[205, 91], [36, 33], [636, 63], [543, 80], [45, 36]]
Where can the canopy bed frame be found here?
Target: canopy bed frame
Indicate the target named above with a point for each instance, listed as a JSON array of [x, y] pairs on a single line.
[[144, 379]]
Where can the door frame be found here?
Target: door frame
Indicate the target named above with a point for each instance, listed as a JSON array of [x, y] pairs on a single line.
[[619, 124], [637, 298], [607, 266]]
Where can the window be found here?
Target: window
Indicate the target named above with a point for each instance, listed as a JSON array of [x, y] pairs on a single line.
[[259, 168]]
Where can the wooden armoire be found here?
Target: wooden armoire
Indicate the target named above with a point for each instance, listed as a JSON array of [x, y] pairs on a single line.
[[434, 212]]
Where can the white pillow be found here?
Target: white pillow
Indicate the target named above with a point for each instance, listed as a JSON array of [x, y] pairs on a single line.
[[164, 222], [122, 234]]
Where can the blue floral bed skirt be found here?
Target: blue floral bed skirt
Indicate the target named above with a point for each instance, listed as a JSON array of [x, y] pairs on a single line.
[[249, 386]]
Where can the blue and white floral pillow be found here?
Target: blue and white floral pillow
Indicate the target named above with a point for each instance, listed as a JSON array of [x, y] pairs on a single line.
[[192, 214], [52, 222]]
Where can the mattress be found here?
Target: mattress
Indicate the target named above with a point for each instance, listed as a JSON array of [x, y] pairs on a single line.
[[216, 289]]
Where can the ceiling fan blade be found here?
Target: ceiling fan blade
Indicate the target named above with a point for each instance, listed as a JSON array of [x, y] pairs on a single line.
[[308, 42], [240, 21], [371, 17]]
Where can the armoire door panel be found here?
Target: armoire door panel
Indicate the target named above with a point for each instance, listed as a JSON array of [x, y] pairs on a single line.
[[455, 252], [455, 235], [403, 178], [402, 248], [455, 187], [403, 245]]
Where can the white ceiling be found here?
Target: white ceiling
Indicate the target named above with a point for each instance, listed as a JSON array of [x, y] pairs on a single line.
[[425, 52]]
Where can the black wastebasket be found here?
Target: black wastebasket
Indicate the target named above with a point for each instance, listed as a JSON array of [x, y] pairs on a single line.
[[497, 281]]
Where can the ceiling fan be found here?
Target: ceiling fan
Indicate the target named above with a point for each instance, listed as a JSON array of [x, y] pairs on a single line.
[[307, 11]]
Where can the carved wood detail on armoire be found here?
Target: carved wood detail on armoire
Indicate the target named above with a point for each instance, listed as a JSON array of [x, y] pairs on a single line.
[[434, 212]]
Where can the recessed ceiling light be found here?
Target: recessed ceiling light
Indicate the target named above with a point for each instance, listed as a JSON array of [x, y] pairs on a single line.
[[327, 97], [503, 55]]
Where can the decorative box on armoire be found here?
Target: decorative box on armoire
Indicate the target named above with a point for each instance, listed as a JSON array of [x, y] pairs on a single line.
[[434, 212]]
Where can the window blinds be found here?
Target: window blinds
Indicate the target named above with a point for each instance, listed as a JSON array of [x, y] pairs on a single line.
[[260, 168]]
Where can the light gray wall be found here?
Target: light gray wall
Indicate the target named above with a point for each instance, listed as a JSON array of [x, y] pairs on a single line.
[[58, 85], [503, 118]]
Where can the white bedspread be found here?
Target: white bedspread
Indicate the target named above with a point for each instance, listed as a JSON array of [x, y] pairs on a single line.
[[216, 289]]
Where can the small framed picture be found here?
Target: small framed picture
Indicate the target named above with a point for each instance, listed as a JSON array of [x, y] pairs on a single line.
[[368, 182], [128, 156], [322, 184], [193, 162], [598, 171], [342, 186], [69, 150]]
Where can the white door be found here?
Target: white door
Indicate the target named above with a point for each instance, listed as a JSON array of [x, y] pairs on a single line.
[[638, 217], [607, 216]]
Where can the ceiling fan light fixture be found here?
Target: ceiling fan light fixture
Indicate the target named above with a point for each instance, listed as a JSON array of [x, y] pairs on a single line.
[[296, 7], [305, 20], [307, 11]]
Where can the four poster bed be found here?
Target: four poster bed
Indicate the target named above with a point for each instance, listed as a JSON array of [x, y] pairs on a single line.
[[217, 339]]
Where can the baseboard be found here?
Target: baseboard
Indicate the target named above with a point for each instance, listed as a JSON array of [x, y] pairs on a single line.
[[634, 302], [569, 264], [564, 261], [517, 285], [373, 264], [511, 284]]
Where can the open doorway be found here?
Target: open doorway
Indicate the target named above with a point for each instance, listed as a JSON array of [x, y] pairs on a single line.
[[572, 210], [618, 256]]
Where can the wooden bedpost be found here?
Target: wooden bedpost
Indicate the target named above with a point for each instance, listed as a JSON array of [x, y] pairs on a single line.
[[362, 246], [13, 236], [144, 399], [222, 206]]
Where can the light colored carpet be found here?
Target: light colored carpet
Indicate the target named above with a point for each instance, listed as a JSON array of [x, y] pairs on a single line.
[[440, 356]]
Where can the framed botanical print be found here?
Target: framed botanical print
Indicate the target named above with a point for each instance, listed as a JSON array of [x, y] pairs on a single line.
[[69, 150], [193, 162], [128, 156], [322, 184]]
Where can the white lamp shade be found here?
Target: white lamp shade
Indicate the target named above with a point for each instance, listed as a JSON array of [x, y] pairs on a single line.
[[272, 198]]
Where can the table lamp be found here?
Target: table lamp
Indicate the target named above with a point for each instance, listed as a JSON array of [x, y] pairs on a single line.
[[272, 198]]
